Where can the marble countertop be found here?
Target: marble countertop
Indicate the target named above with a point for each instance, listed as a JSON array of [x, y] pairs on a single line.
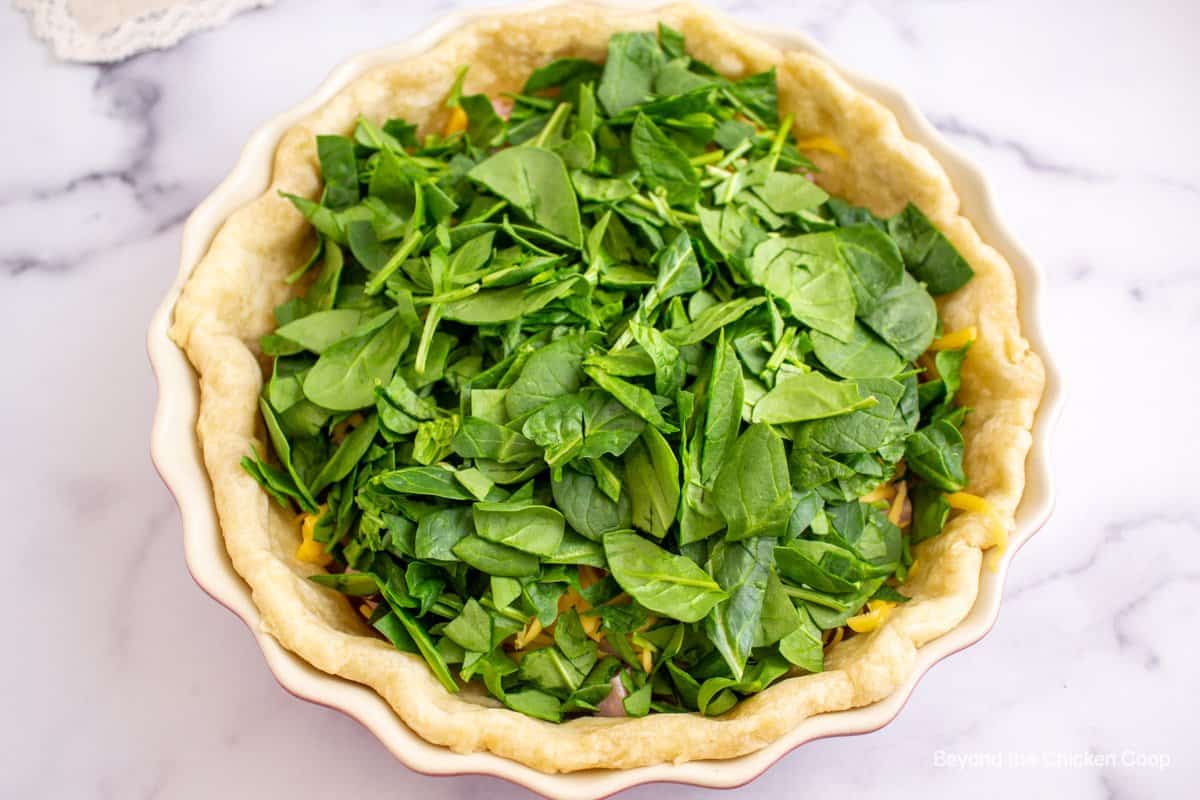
[[123, 680]]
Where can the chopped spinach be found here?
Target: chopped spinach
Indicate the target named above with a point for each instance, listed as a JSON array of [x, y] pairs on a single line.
[[615, 369]]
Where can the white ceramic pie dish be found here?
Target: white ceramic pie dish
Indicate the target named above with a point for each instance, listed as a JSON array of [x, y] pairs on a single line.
[[176, 453]]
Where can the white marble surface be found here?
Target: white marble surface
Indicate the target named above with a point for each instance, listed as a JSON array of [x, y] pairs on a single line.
[[123, 680]]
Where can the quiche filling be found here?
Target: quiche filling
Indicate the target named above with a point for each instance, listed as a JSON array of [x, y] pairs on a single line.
[[596, 398]]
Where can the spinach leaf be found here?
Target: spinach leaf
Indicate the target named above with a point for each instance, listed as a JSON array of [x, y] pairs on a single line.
[[664, 166], [935, 452], [551, 372], [809, 395], [530, 528], [589, 424], [874, 263], [632, 396], [816, 289], [535, 181], [724, 413], [904, 317], [678, 271], [861, 355], [752, 490], [429, 481], [929, 512], [347, 455], [345, 376], [479, 438], [283, 449], [779, 617], [439, 532], [338, 168], [741, 568], [628, 79], [661, 581], [862, 431], [927, 252], [652, 471], [804, 646], [427, 649], [493, 558], [587, 509], [315, 332], [788, 193]]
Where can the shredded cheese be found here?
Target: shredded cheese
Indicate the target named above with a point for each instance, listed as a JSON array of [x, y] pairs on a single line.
[[647, 659], [879, 611], [955, 339], [527, 634], [457, 121], [897, 508], [588, 576], [366, 609], [835, 636], [885, 491], [823, 144], [591, 627], [342, 428], [965, 501], [310, 550]]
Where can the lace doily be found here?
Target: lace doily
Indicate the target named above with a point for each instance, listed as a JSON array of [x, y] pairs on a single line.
[[83, 30]]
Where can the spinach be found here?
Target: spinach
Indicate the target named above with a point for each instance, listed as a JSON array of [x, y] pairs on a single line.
[[531, 528], [338, 168], [678, 271], [927, 252], [348, 454], [904, 317], [628, 79], [873, 260], [862, 431], [494, 558], [861, 355], [741, 568], [789, 193], [804, 646], [652, 471], [619, 346], [929, 512], [535, 181], [552, 371], [724, 412], [809, 395], [354, 584], [816, 289], [430, 481], [587, 509], [588, 424], [778, 617], [638, 400], [663, 165], [661, 581], [752, 490], [935, 452], [315, 332], [345, 376], [439, 532]]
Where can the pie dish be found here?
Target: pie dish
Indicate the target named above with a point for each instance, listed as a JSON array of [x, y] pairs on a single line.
[[226, 306]]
